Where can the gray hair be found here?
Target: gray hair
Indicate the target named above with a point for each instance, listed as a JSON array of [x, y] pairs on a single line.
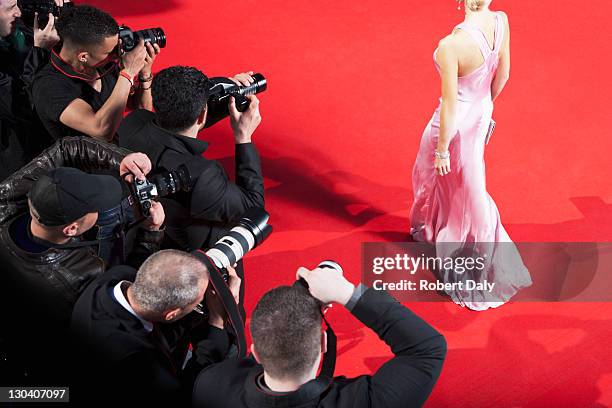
[[167, 280]]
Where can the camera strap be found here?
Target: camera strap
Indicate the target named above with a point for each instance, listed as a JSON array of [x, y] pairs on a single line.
[[328, 366], [66, 69], [227, 299]]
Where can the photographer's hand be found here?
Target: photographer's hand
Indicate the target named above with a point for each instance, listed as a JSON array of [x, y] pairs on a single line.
[[244, 123], [134, 61], [156, 217], [48, 37], [136, 163], [243, 79], [216, 311], [152, 52], [327, 285]]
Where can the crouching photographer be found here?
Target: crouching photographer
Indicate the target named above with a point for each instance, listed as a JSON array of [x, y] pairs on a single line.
[[183, 98], [88, 83], [46, 209], [133, 330], [288, 343], [24, 50], [199, 216]]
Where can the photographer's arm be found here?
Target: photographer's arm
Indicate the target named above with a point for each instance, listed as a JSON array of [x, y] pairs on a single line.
[[142, 98], [83, 153], [103, 124], [215, 198], [419, 351], [418, 348]]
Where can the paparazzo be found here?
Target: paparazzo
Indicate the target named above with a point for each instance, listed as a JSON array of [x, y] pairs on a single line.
[[288, 343], [197, 219], [88, 82], [23, 52], [45, 208], [133, 331]]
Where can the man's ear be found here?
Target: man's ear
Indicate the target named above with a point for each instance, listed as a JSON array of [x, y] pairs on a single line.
[[170, 315], [202, 117], [254, 353], [83, 56], [71, 230], [324, 342]]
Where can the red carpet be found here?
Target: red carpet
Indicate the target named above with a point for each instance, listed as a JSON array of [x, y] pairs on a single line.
[[351, 87]]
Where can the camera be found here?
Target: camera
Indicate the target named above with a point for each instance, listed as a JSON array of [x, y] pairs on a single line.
[[130, 39], [43, 8], [221, 89], [160, 185], [116, 222], [251, 230]]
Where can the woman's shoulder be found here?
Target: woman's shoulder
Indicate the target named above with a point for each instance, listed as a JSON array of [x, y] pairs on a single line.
[[451, 41], [503, 15]]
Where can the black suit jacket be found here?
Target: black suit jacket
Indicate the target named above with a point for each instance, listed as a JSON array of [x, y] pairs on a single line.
[[118, 359], [406, 380], [22, 136], [197, 219]]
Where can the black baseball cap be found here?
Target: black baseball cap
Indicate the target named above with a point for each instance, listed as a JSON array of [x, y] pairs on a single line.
[[65, 194]]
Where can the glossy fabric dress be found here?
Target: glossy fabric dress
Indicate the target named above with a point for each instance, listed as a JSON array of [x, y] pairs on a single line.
[[455, 211]]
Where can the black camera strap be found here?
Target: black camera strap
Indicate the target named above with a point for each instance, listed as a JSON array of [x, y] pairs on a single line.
[[329, 358], [227, 299]]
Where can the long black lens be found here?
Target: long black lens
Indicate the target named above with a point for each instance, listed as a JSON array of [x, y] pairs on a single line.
[[256, 87], [153, 36]]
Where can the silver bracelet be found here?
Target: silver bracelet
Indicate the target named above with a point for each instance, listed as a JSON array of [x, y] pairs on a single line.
[[442, 156]]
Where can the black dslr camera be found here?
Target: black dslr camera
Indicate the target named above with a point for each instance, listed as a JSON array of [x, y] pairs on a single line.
[[130, 39], [158, 186], [221, 89], [43, 8]]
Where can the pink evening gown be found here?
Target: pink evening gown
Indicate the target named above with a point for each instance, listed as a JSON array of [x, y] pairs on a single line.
[[455, 211]]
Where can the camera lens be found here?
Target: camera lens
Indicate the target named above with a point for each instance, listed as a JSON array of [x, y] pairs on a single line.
[[153, 35], [259, 85], [252, 230]]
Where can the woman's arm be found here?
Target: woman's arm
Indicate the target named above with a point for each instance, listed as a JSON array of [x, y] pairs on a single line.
[[503, 70], [448, 62]]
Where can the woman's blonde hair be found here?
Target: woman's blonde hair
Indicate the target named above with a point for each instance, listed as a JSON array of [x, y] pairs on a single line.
[[473, 5]]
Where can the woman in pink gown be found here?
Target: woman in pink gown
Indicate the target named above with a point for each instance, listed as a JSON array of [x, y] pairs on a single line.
[[452, 208]]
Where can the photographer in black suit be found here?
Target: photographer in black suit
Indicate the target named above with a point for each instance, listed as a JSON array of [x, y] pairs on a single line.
[[133, 330], [197, 219], [287, 347], [23, 52]]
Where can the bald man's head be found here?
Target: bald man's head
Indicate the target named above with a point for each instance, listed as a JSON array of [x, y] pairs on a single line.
[[169, 280]]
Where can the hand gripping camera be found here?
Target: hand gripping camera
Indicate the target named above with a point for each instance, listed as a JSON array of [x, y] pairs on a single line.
[[29, 8], [158, 186], [222, 88]]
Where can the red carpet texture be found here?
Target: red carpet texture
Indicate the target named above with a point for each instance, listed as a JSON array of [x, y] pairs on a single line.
[[351, 88]]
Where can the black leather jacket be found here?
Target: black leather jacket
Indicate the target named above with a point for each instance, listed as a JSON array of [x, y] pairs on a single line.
[[47, 284]]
